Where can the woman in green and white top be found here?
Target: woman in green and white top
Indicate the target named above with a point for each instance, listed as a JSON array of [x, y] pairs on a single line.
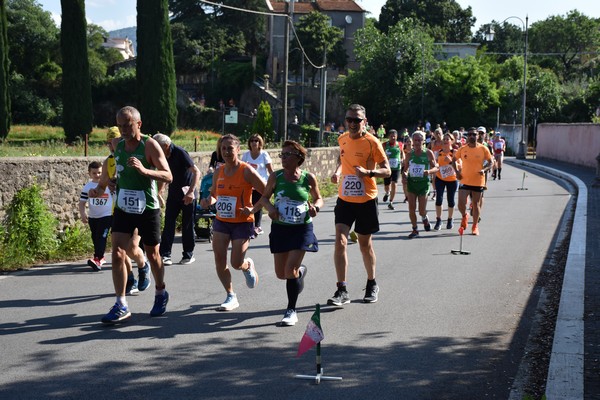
[[291, 213], [418, 166], [394, 154]]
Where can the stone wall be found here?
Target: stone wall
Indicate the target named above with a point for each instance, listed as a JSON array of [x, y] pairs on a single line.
[[61, 179]]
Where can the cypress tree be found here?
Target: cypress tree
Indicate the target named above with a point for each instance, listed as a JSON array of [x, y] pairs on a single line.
[[4, 74], [156, 82], [76, 86], [263, 125]]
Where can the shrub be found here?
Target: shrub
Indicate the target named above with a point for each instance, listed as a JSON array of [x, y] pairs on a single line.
[[74, 242], [263, 125], [29, 229]]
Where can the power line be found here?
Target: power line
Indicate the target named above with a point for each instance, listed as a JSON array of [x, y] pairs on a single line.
[[544, 54], [270, 15]]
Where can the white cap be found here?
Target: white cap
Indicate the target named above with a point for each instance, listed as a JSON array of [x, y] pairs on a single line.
[[481, 129]]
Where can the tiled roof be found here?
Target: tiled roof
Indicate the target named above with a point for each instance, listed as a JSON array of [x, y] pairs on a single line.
[[306, 7], [339, 5]]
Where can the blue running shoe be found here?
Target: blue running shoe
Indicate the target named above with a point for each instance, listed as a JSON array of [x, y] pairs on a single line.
[[116, 314], [131, 288], [160, 304], [144, 277]]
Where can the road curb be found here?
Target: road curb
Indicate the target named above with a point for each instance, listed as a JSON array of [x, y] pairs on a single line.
[[566, 371]]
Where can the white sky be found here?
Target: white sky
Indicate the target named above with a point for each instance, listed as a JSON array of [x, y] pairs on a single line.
[[116, 14]]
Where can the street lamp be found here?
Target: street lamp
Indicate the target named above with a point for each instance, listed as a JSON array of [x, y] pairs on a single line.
[[489, 36]]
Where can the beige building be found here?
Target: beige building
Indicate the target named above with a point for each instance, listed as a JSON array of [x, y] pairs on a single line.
[[123, 45]]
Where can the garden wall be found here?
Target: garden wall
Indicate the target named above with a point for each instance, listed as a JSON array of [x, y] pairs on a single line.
[[572, 143], [62, 179]]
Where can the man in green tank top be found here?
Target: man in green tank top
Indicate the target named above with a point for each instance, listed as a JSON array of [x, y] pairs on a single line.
[[140, 163]]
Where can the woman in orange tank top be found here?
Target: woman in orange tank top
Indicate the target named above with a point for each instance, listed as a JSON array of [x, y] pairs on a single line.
[[231, 193], [445, 181]]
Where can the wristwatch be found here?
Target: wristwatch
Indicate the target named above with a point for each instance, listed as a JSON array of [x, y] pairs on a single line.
[[371, 173], [317, 208]]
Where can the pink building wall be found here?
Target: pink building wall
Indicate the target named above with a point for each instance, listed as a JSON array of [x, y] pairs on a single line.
[[572, 143]]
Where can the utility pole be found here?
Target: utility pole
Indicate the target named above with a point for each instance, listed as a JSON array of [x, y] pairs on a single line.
[[323, 97], [286, 57]]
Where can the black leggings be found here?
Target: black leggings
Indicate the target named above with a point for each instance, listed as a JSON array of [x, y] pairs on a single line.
[[440, 185], [100, 228], [257, 215]]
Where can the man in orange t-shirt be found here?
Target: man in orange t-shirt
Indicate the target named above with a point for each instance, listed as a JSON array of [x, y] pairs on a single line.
[[361, 160], [476, 160]]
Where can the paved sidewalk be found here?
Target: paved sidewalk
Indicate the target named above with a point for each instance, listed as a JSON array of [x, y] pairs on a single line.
[[591, 274]]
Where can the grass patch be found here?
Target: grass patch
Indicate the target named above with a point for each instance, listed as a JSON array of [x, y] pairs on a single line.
[[48, 141]]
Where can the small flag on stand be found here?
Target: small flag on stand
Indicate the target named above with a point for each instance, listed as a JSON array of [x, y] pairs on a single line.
[[313, 335]]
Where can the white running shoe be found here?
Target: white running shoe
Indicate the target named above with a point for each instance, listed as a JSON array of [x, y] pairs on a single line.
[[231, 303], [250, 274], [290, 318]]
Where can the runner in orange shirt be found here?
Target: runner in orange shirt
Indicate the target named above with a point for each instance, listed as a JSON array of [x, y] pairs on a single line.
[[471, 174], [231, 193], [361, 160]]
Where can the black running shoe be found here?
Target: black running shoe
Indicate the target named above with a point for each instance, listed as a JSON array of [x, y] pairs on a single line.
[[371, 293], [340, 297], [426, 225]]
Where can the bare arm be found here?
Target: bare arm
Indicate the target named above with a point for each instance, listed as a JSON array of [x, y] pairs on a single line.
[[189, 196], [82, 212], [102, 183], [253, 178], [156, 158], [335, 178], [315, 193], [265, 200], [432, 164]]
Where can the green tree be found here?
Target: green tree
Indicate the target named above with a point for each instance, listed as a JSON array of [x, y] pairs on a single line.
[[198, 51], [576, 39], [592, 100], [319, 38], [5, 116], [393, 67], [76, 88], [263, 125], [252, 26], [444, 20], [156, 82], [509, 39], [544, 91], [100, 58], [36, 34], [465, 92], [34, 54]]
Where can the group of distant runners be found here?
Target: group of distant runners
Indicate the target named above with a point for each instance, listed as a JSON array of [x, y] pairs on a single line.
[[290, 196], [448, 162]]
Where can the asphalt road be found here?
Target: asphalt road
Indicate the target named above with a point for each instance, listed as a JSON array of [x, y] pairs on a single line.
[[445, 327]]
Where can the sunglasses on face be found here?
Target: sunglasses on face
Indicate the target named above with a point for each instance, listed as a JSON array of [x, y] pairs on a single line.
[[354, 120], [254, 140], [287, 154], [472, 134]]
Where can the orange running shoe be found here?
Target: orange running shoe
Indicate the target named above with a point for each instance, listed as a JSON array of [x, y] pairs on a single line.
[[475, 230], [464, 222]]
